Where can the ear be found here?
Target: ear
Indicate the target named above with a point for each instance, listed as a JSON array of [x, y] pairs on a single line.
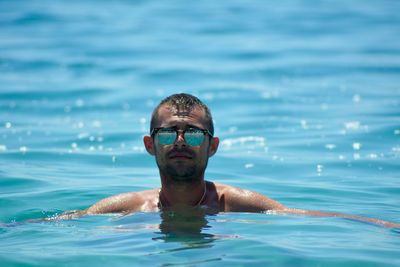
[[213, 146], [148, 144]]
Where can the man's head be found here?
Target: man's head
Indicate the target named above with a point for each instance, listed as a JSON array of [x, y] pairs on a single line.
[[183, 103], [181, 138]]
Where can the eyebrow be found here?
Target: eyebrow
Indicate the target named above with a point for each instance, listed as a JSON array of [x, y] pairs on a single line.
[[187, 126]]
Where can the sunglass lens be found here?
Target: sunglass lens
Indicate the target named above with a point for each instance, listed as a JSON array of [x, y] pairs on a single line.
[[194, 138], [166, 137]]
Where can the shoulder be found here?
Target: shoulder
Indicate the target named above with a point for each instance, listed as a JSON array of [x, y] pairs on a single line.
[[126, 202], [238, 199]]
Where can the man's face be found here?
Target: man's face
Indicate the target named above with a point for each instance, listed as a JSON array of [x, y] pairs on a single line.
[[180, 161]]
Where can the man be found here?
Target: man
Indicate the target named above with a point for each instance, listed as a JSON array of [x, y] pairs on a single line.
[[181, 140]]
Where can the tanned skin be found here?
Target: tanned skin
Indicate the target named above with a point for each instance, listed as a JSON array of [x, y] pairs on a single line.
[[183, 185]]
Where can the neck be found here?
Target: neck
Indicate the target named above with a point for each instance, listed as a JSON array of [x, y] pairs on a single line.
[[182, 193]]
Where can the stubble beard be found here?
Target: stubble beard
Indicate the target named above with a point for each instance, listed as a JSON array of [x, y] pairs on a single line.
[[182, 173]]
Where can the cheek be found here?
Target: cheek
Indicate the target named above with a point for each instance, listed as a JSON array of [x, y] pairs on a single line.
[[158, 150], [161, 151], [203, 152]]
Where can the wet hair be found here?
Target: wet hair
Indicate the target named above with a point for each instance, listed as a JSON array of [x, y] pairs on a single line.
[[183, 103]]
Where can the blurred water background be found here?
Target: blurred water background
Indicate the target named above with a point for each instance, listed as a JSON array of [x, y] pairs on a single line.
[[305, 98]]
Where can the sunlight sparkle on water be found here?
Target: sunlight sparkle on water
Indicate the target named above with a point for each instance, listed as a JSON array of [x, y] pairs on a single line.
[[356, 146]]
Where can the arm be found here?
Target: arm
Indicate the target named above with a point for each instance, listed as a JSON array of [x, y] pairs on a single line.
[[114, 204], [241, 200], [126, 202], [235, 199], [338, 215], [118, 203]]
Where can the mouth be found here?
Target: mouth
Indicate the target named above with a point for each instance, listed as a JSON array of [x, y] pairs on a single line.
[[180, 155]]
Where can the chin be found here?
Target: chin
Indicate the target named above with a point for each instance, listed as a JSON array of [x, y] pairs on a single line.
[[182, 174], [182, 179]]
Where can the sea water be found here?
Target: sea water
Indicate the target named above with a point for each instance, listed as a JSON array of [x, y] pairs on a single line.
[[306, 101]]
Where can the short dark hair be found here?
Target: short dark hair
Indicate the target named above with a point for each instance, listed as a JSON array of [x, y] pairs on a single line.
[[186, 102]]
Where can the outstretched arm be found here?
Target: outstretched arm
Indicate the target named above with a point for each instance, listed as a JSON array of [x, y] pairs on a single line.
[[241, 200], [119, 203], [338, 215], [124, 202]]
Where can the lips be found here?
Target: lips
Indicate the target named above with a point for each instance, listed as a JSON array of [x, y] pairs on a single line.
[[180, 155]]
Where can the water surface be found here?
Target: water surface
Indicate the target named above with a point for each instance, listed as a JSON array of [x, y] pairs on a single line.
[[305, 99]]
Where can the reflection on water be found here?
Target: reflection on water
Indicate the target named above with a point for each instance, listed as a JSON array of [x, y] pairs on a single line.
[[186, 226]]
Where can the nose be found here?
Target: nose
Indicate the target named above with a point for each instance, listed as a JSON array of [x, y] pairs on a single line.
[[180, 140]]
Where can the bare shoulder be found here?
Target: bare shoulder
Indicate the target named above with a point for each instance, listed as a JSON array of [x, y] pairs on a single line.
[[239, 199], [126, 202]]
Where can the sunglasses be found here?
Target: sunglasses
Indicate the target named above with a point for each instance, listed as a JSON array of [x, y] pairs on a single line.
[[193, 136]]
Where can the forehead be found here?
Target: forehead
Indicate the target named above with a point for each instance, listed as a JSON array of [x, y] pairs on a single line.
[[170, 116]]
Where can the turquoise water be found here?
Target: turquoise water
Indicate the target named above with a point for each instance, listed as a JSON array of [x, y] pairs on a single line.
[[305, 96]]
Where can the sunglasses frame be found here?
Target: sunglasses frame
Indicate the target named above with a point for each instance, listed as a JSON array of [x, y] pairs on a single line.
[[154, 131]]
